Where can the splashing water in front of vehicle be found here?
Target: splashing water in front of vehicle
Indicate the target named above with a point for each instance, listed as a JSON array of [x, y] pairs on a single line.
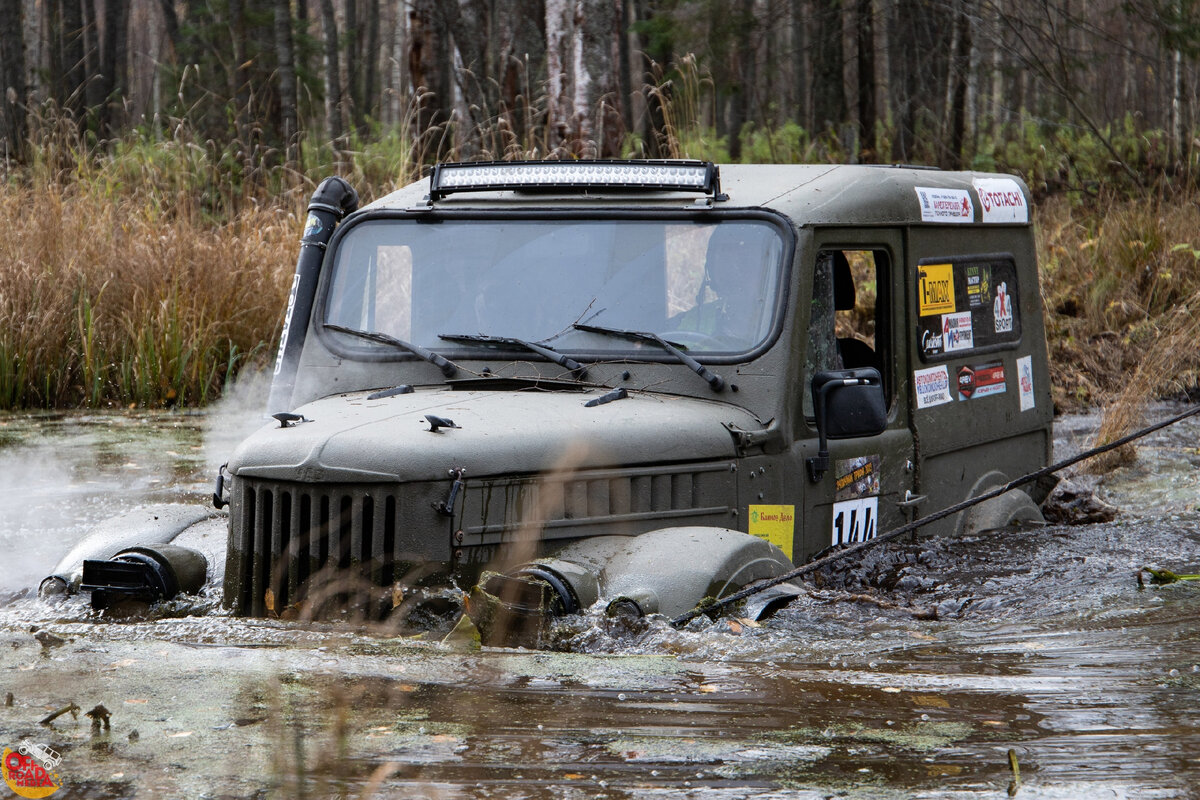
[[912, 671]]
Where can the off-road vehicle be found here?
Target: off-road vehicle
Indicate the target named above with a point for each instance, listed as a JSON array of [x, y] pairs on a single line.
[[636, 383]]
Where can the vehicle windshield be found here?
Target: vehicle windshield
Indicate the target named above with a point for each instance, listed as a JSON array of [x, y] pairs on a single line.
[[710, 287]]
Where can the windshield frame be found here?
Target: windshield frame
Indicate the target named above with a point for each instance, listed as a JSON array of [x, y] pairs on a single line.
[[345, 347]]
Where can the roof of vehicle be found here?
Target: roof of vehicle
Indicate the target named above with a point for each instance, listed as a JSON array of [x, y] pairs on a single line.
[[810, 194]]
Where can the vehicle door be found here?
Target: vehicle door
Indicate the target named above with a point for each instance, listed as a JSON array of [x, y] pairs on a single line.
[[856, 322]]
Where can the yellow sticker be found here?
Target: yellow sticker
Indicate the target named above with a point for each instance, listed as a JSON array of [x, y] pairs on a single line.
[[935, 289], [776, 524]]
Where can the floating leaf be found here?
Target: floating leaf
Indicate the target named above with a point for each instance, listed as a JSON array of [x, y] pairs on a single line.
[[1162, 577]]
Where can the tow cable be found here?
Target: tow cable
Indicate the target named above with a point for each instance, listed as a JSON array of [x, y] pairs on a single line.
[[715, 607]]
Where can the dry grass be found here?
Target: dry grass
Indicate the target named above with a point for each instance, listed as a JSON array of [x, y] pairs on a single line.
[[1121, 285], [148, 272], [124, 300]]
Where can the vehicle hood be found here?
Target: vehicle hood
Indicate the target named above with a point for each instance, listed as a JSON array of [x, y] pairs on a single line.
[[352, 438]]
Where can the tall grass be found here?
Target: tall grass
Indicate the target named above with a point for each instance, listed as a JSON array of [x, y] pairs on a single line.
[[150, 269], [117, 298], [1121, 285]]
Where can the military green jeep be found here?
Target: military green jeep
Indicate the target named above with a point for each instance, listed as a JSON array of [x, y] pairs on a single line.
[[636, 383]]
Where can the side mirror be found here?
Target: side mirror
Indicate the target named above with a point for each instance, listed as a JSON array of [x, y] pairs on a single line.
[[849, 403]]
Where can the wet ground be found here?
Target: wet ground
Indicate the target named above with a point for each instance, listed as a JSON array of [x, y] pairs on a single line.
[[911, 674]]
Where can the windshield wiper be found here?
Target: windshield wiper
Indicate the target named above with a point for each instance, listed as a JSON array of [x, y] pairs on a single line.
[[577, 370], [714, 380], [448, 368]]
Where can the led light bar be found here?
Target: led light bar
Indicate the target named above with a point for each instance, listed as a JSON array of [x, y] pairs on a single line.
[[575, 176]]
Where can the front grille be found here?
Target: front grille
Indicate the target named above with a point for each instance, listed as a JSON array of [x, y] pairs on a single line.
[[293, 542], [324, 547], [624, 501]]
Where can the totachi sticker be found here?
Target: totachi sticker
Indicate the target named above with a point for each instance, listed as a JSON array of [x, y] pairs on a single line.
[[981, 380], [957, 333], [932, 386], [1002, 200], [945, 205], [1025, 382]]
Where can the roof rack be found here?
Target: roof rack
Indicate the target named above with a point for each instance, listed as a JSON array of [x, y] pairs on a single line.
[[666, 175]]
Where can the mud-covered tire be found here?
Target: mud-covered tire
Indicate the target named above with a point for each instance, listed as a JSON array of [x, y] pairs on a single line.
[[1009, 509]]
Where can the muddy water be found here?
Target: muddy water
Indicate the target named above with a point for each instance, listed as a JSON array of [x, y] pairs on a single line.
[[911, 674]]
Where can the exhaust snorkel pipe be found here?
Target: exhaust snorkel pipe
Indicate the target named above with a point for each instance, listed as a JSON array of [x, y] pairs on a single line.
[[333, 200]]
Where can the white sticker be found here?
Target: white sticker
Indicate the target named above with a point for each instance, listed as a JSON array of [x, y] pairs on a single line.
[[287, 323], [932, 386], [855, 520], [957, 333], [1002, 200], [945, 205], [1025, 382], [1002, 309]]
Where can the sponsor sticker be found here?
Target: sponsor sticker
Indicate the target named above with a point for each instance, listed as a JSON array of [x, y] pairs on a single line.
[[856, 477], [957, 333], [978, 285], [1002, 309], [935, 289], [981, 380], [312, 226], [1001, 200], [31, 769], [855, 521], [932, 386], [287, 323], [1025, 382], [776, 524], [945, 205], [931, 342]]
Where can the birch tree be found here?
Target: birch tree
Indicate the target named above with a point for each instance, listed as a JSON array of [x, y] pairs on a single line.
[[582, 49]]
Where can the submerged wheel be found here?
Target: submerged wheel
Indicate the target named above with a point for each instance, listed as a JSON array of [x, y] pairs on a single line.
[[1011, 508]]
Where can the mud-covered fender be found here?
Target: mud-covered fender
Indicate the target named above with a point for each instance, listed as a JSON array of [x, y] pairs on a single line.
[[200, 528], [1014, 507], [668, 571]]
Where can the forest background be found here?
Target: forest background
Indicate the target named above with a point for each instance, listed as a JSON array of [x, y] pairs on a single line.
[[157, 155]]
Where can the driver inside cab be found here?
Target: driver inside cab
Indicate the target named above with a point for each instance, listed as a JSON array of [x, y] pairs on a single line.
[[729, 301]]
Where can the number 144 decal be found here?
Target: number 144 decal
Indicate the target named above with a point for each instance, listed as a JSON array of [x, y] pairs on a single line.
[[855, 520]]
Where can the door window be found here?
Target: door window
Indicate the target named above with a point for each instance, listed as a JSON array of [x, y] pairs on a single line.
[[848, 325]]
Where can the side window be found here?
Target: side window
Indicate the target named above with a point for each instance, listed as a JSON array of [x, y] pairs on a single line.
[[848, 324], [967, 304]]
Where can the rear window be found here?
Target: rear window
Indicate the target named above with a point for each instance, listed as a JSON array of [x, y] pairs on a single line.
[[966, 304]]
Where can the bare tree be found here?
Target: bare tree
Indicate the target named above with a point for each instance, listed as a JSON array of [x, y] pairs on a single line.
[[335, 127], [113, 60], [12, 79], [865, 30], [286, 71], [582, 47]]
